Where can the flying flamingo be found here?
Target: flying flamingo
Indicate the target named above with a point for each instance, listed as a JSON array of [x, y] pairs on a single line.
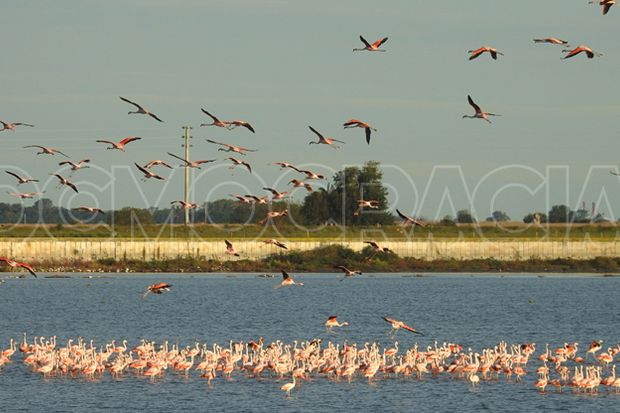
[[64, 181], [332, 322], [275, 242], [191, 164], [323, 140], [25, 195], [92, 210], [605, 3], [16, 264], [347, 272], [230, 250], [354, 123], [284, 165], [365, 204], [157, 162], [12, 125], [310, 174], [298, 184], [21, 180], [372, 47], [185, 205], [273, 215], [258, 200], [484, 49], [45, 150], [410, 220], [397, 325], [376, 248], [276, 194], [120, 145], [230, 148], [216, 121], [237, 162], [148, 174], [479, 113], [242, 199], [235, 123], [581, 48], [76, 166], [140, 109], [287, 280], [551, 40], [157, 288]]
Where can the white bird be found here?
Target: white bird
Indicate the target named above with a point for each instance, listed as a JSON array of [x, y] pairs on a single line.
[[365, 204], [479, 113], [191, 164], [46, 150], [148, 174], [21, 180], [89, 209], [12, 125], [140, 109]]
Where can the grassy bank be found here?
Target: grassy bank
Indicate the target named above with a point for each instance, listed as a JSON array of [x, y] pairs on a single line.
[[323, 260]]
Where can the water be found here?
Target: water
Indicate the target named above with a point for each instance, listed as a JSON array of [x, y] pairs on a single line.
[[475, 311]]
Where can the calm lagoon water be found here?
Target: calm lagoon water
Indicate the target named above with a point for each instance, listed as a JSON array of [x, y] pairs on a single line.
[[476, 311]]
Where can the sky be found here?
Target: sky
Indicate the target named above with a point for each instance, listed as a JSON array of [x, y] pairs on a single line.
[[284, 65]]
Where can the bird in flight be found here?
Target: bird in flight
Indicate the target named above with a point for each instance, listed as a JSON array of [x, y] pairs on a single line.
[[273, 215], [230, 148], [287, 280], [25, 195], [614, 173], [309, 174], [156, 162], [12, 125], [16, 264], [479, 113], [581, 48], [120, 145], [230, 250], [258, 200], [606, 4], [92, 210], [284, 165], [376, 248], [347, 272], [76, 166], [332, 322], [275, 242], [191, 164], [410, 220], [323, 140], [362, 203], [148, 174], [140, 109], [242, 199], [397, 325], [216, 121], [235, 123], [237, 162], [21, 180], [354, 123], [158, 288], [64, 181], [185, 205], [371, 47], [276, 194], [551, 40], [484, 49], [46, 150], [298, 184]]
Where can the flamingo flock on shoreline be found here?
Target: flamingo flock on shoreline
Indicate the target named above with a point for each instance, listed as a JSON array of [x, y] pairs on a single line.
[[563, 368]]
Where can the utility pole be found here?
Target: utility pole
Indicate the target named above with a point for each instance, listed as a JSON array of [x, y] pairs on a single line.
[[186, 191]]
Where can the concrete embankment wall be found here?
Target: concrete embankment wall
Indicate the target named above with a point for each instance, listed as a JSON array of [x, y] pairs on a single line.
[[88, 250]]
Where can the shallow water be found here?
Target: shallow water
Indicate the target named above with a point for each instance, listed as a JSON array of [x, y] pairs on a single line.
[[475, 311]]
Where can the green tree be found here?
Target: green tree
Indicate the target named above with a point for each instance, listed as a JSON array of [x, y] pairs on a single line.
[[530, 218], [498, 216], [464, 216], [560, 214], [130, 216]]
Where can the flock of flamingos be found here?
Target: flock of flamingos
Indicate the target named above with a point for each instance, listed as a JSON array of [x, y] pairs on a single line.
[[561, 368]]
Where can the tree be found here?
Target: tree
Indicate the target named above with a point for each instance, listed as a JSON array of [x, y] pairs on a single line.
[[581, 216], [315, 209], [560, 214], [498, 216], [464, 217], [448, 220], [532, 217], [130, 216]]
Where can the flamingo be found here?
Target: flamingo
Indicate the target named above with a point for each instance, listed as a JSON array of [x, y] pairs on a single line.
[[157, 288], [284, 165], [156, 162], [242, 199], [354, 123], [25, 195], [332, 322], [140, 109], [484, 49], [64, 181], [21, 180], [148, 174], [76, 166], [410, 220], [551, 40], [397, 325], [479, 113], [237, 162], [288, 387], [310, 174], [256, 200], [372, 47], [191, 164], [287, 280], [16, 264], [276, 194], [235, 123], [376, 249], [273, 215], [276, 243], [120, 145], [216, 121], [372, 204], [46, 150], [230, 250], [323, 140], [12, 125], [185, 205], [605, 3], [581, 48], [347, 272], [594, 347], [92, 210], [230, 148], [298, 184]]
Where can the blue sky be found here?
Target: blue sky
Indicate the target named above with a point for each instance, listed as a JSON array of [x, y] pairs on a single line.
[[284, 65]]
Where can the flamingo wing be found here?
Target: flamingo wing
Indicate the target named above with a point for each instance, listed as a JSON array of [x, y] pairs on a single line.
[[210, 115], [285, 275], [144, 171], [228, 244], [379, 42], [129, 139], [72, 186], [406, 327], [28, 267], [365, 42], [368, 132], [14, 174], [204, 161], [104, 141], [316, 132], [155, 117], [389, 320], [131, 103], [473, 104]]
